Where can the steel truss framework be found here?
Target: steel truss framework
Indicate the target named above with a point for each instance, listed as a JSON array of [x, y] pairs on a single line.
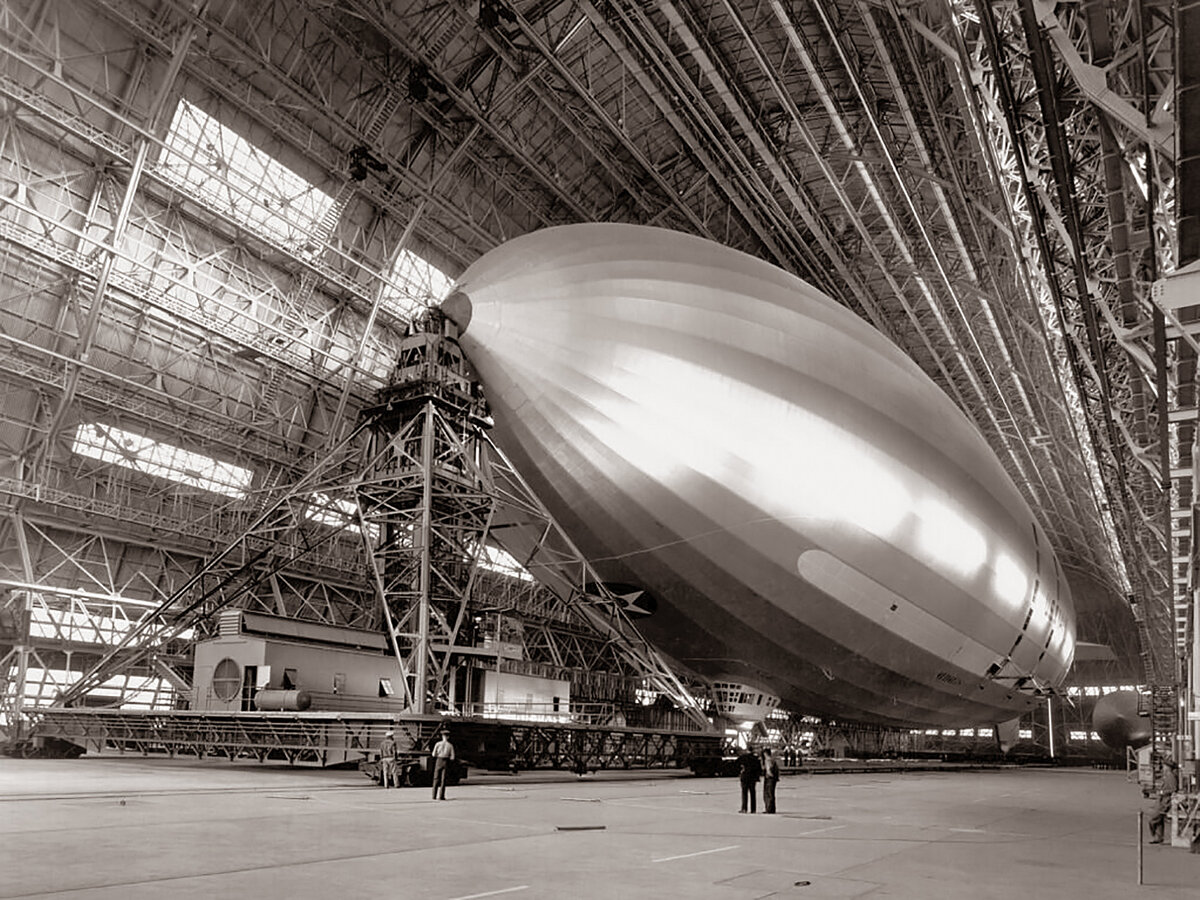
[[590, 748], [425, 504], [990, 184], [422, 474], [295, 739]]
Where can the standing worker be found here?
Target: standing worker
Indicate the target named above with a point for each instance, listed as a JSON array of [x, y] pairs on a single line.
[[443, 754], [1162, 808], [387, 761], [748, 772], [770, 778]]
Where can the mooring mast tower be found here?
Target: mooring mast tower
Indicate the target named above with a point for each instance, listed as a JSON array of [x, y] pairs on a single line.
[[425, 503]]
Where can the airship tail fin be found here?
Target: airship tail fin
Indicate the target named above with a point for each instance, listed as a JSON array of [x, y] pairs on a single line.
[[1007, 733]]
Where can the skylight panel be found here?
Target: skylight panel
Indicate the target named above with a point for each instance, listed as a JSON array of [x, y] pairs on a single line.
[[414, 285], [335, 513], [341, 515], [143, 454], [220, 167], [497, 560]]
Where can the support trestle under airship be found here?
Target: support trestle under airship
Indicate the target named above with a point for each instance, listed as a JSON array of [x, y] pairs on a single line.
[[800, 507]]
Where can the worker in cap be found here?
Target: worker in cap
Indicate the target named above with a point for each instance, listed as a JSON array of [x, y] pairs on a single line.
[[443, 755], [389, 775]]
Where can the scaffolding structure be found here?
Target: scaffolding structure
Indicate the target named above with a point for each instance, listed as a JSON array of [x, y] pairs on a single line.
[[428, 491]]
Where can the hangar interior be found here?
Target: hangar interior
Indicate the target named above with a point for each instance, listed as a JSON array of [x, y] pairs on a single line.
[[223, 222]]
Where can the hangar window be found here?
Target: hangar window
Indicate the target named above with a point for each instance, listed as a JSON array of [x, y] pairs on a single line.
[[329, 511], [218, 166], [497, 560], [339, 514], [127, 691], [142, 454], [413, 285]]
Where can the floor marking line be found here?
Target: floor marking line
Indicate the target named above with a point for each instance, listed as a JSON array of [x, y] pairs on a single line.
[[495, 824], [700, 853], [522, 887], [819, 830]]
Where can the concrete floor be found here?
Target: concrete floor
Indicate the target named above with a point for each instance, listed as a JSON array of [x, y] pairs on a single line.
[[112, 827]]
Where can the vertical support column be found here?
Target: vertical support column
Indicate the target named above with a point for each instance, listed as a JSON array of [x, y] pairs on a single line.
[[17, 612], [1050, 723], [423, 542], [1187, 218], [1192, 707], [15, 609], [1187, 139]]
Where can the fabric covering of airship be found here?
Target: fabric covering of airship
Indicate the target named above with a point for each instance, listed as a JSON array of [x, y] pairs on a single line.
[[792, 502]]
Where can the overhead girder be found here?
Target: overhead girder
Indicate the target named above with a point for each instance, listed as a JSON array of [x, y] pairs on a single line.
[[1109, 366], [628, 30], [244, 75], [870, 244], [1034, 207], [993, 396], [1017, 353]]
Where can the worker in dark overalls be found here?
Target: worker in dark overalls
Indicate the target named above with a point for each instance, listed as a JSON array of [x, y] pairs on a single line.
[[749, 771], [1162, 806], [770, 767]]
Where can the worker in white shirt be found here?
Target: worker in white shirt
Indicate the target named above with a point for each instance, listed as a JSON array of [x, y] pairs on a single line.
[[443, 754]]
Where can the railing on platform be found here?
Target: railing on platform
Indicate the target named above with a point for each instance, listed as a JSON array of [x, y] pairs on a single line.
[[591, 713], [315, 738]]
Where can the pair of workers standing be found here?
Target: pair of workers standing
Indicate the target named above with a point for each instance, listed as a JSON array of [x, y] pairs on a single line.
[[389, 763], [750, 769]]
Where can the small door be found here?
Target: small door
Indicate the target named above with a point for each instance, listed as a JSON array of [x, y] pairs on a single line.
[[249, 686]]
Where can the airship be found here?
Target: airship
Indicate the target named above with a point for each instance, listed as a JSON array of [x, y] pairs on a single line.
[[1118, 719], [786, 500]]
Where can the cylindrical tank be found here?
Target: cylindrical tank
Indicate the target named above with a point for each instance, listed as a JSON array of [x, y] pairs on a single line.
[[273, 700], [1115, 718]]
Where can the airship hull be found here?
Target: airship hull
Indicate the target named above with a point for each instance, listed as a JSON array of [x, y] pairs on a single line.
[[794, 504]]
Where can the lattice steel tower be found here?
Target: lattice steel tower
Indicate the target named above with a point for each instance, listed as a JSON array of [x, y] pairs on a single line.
[[425, 503]]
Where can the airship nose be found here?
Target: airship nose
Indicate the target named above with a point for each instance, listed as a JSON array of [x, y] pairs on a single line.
[[457, 308]]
